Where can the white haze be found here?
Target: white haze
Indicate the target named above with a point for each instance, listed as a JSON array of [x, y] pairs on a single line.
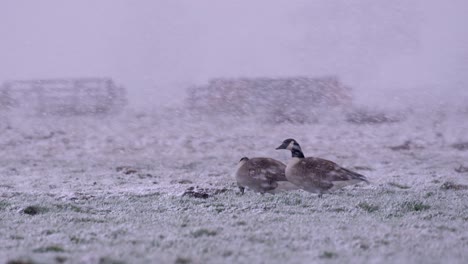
[[127, 188], [384, 49]]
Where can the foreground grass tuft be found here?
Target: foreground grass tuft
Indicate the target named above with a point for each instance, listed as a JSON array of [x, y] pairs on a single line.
[[21, 261], [107, 260], [453, 186], [34, 210], [328, 255], [292, 201], [370, 208], [337, 210], [3, 205], [428, 194], [181, 260], [414, 206], [71, 207], [204, 232], [398, 185], [49, 249]]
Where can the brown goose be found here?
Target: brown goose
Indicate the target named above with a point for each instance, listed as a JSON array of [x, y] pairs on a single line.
[[316, 175], [263, 175]]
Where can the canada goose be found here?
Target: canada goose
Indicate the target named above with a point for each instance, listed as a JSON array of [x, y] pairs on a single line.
[[262, 175], [314, 174]]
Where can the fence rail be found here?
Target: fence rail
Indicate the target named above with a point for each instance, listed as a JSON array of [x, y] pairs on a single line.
[[80, 96]]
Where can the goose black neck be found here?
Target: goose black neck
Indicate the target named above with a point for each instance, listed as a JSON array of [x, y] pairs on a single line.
[[297, 153]]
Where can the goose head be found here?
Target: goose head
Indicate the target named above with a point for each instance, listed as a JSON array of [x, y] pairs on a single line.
[[243, 159], [293, 146], [289, 144]]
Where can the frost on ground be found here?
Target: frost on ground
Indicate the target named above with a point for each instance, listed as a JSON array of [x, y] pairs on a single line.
[[111, 190]]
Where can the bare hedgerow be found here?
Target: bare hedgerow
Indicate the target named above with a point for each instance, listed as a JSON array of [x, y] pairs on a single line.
[[370, 116], [269, 100]]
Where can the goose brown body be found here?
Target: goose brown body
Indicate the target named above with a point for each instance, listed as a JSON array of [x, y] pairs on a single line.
[[316, 175], [260, 174]]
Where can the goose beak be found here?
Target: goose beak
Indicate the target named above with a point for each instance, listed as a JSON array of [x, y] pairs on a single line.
[[283, 146]]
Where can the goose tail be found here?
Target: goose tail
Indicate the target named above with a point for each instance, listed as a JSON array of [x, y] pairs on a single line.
[[356, 176]]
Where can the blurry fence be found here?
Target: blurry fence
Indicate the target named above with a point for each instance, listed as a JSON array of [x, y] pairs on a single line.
[[274, 100], [82, 96]]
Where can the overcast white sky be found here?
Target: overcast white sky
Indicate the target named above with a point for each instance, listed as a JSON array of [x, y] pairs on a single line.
[[155, 48]]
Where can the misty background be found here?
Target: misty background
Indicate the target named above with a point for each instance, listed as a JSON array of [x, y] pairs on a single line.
[[83, 182], [388, 51]]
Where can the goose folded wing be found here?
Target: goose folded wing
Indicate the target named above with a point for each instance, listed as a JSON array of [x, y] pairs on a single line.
[[272, 170], [329, 171]]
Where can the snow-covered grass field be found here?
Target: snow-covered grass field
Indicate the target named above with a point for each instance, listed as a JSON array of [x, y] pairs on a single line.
[[109, 190]]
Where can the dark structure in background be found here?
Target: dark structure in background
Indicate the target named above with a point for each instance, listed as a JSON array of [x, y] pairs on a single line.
[[80, 96], [274, 100]]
